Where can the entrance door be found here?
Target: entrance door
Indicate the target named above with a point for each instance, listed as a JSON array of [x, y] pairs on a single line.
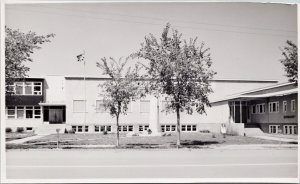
[[54, 114]]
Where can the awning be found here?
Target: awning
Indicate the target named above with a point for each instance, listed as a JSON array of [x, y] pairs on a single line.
[[52, 104]]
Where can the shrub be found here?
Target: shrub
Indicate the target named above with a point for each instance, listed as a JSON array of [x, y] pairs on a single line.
[[169, 134], [149, 131], [66, 131], [164, 134], [71, 131], [105, 132], [8, 130], [135, 134], [20, 129]]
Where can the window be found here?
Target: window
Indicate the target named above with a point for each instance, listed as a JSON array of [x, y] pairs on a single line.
[[168, 128], [260, 108], [143, 128], [86, 128], [284, 106], [290, 129], [26, 88], [102, 128], [108, 128], [100, 106], [74, 128], [293, 105], [20, 112], [37, 112], [145, 106], [79, 128], [23, 112], [126, 128], [11, 113], [253, 109], [79, 105], [188, 128], [273, 129], [273, 107]]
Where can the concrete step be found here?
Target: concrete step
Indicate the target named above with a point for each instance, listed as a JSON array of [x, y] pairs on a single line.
[[253, 131], [47, 129]]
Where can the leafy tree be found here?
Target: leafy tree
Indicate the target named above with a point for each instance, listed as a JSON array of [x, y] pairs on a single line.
[[18, 49], [290, 61], [123, 87], [179, 69]]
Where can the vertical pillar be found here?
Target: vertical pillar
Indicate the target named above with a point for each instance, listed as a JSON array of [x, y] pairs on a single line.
[[241, 113], [233, 111]]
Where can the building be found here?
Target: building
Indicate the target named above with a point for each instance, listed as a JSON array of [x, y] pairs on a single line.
[[44, 104], [272, 109]]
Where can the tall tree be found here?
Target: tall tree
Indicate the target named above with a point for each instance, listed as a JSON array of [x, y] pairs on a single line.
[[290, 61], [179, 69], [18, 49], [123, 87]]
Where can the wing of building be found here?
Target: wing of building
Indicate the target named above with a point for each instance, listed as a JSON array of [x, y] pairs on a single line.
[[43, 104]]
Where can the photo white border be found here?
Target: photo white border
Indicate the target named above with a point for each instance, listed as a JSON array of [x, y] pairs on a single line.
[[3, 178]]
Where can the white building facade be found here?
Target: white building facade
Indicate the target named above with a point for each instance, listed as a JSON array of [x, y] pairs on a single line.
[[60, 102]]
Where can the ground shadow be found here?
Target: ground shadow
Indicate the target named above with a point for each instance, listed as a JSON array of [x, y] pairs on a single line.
[[197, 143]]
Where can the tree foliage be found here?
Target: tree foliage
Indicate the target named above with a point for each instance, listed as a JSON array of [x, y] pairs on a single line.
[[122, 87], [290, 61], [18, 49], [179, 69]]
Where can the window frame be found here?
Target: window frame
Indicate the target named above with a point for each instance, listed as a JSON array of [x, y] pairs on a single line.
[[293, 105], [143, 101], [25, 84], [284, 106], [276, 129], [271, 110], [24, 109]]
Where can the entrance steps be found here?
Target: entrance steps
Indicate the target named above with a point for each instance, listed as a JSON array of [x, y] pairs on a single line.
[[253, 131], [47, 129]]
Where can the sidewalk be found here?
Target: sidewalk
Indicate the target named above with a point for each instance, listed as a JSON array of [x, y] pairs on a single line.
[[20, 141], [277, 138], [255, 146]]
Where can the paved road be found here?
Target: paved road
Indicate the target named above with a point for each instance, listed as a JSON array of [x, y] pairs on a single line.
[[183, 163]]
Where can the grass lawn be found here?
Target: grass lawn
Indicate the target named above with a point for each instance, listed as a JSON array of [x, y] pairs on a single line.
[[15, 135], [192, 140]]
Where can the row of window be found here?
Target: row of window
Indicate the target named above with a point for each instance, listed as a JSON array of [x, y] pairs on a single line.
[[273, 107], [23, 112], [129, 128], [26, 88], [287, 129], [184, 128]]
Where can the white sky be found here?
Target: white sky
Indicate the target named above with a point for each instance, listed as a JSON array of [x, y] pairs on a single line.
[[244, 38]]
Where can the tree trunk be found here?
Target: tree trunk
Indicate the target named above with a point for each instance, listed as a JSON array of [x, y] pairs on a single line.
[[118, 136], [178, 127]]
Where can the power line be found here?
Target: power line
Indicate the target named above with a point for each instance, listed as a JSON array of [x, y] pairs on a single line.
[[176, 20], [149, 23]]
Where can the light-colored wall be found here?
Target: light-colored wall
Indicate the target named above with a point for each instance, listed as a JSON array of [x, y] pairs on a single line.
[[13, 123], [218, 113], [55, 89]]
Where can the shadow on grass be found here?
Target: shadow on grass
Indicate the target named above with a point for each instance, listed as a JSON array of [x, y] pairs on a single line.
[[197, 143]]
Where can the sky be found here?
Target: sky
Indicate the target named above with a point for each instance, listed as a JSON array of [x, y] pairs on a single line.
[[244, 38]]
